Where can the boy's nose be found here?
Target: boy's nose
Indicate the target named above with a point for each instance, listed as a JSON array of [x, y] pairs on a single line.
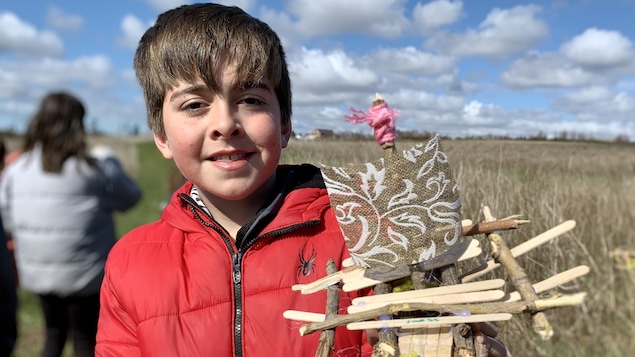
[[224, 123]]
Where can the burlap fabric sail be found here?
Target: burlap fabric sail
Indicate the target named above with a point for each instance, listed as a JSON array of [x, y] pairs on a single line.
[[400, 210]]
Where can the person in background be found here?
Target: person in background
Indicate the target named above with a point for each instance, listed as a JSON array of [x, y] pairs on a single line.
[[8, 293], [57, 203], [8, 301], [213, 276]]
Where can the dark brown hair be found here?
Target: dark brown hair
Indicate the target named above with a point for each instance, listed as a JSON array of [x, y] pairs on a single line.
[[194, 41], [58, 126]]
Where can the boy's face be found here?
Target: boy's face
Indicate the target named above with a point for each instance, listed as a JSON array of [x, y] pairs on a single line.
[[228, 143]]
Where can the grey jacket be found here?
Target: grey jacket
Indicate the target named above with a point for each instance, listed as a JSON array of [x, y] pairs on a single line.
[[62, 224]]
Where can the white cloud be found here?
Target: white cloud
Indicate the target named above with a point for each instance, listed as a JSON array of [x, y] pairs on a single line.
[[598, 48], [243, 4], [502, 33], [593, 58], [323, 73], [282, 24], [409, 99], [477, 114], [90, 77], [60, 20], [547, 70], [30, 79], [19, 37], [163, 5], [382, 18], [132, 29], [596, 103], [587, 95], [412, 61], [436, 14]]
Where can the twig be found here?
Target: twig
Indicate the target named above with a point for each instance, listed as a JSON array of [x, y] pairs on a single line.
[[327, 338], [521, 282], [491, 227], [387, 345]]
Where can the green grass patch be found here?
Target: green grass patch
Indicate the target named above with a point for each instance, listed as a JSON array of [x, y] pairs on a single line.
[[154, 172]]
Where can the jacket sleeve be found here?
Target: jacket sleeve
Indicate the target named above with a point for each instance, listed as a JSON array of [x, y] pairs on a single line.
[[116, 332], [5, 202], [122, 191]]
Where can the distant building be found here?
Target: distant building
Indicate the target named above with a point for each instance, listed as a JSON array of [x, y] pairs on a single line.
[[323, 133]]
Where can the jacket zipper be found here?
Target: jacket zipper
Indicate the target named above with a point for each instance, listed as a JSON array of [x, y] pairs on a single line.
[[238, 298], [237, 258], [236, 268]]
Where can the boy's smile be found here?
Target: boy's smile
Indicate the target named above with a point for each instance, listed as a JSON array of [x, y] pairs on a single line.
[[233, 157], [231, 161], [227, 141]]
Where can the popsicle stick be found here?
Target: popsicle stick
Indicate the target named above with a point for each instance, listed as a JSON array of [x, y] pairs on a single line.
[[521, 249], [362, 282], [428, 292], [328, 280], [472, 251], [354, 275], [348, 262], [543, 238], [463, 298], [550, 283], [427, 321], [303, 316]]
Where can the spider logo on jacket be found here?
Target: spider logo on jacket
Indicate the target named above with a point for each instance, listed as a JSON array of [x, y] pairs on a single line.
[[306, 267]]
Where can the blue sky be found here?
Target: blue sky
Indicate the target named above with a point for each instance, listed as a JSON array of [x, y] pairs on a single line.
[[454, 67]]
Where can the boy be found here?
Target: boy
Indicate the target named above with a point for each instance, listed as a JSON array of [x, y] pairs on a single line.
[[213, 276]]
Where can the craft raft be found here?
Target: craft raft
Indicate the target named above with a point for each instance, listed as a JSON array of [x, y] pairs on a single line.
[[421, 306]]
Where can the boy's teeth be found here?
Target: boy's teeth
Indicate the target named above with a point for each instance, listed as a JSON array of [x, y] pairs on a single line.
[[229, 157]]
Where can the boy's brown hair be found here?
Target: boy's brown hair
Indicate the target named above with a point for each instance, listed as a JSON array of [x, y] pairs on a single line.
[[194, 41]]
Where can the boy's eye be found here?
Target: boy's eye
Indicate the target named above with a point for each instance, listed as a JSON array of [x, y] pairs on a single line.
[[193, 106], [253, 101]]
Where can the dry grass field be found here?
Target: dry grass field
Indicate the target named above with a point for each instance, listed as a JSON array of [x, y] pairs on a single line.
[[546, 182]]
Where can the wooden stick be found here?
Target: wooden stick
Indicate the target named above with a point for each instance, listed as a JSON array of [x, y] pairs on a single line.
[[319, 322], [421, 322], [356, 282], [521, 282], [521, 249], [388, 345], [552, 282], [327, 338], [543, 238], [464, 343], [303, 316], [491, 227], [463, 298], [441, 290], [324, 282], [478, 308]]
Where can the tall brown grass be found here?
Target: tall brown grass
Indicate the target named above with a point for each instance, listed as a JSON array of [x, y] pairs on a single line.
[[548, 183]]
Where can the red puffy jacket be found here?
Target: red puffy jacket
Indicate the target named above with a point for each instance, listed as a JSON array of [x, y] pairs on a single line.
[[182, 287]]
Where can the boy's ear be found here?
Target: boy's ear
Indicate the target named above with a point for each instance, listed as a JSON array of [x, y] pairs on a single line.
[[163, 145], [286, 134]]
